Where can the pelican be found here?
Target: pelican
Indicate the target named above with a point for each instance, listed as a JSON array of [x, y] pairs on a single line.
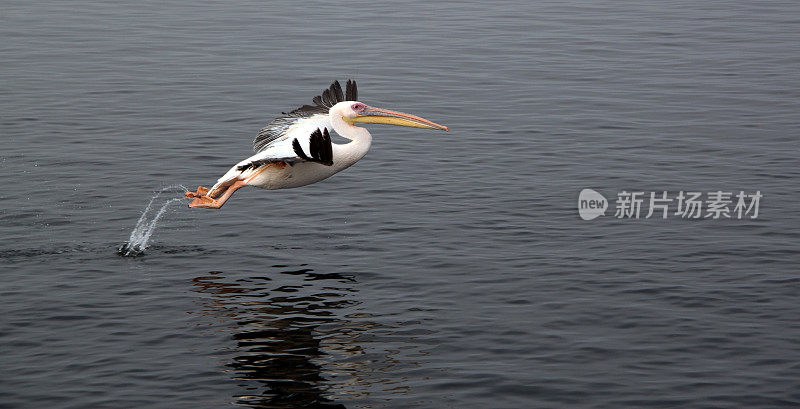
[[296, 150]]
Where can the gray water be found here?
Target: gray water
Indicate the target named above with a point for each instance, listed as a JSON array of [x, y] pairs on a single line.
[[444, 269]]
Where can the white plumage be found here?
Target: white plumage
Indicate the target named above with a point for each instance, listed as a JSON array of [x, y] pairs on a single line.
[[295, 150]]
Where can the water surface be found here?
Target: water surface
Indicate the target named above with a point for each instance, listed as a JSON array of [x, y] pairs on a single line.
[[444, 269]]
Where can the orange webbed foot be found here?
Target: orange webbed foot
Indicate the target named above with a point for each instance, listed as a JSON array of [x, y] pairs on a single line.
[[201, 191], [204, 202], [202, 199]]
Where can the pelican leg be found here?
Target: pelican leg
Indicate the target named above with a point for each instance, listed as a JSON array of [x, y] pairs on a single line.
[[209, 203]]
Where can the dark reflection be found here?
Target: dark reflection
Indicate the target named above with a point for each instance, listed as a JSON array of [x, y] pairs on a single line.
[[282, 321]]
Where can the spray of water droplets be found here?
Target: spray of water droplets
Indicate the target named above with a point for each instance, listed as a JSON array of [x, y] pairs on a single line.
[[145, 227]]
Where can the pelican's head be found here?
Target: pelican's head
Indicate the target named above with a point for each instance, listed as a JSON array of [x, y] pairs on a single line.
[[354, 112]]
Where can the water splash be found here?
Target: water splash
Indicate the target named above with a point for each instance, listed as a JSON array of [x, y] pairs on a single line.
[[140, 235]]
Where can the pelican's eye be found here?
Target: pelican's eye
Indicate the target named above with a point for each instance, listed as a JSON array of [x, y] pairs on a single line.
[[358, 107]]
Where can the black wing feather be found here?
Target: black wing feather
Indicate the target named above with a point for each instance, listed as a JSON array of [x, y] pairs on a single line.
[[299, 149], [352, 91], [334, 95], [327, 152], [336, 89], [314, 143], [320, 147]]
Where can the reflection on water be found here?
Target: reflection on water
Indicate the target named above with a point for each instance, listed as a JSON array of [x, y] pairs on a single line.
[[298, 337]]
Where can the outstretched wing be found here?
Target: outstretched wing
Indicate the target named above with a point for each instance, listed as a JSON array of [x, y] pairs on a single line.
[[318, 149], [307, 117], [297, 145]]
